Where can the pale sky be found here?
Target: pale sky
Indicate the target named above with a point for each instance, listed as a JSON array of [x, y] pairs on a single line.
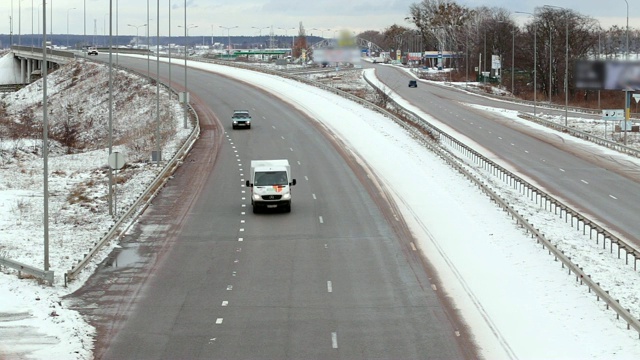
[[253, 17]]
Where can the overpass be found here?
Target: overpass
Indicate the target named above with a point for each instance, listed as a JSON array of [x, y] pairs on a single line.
[[28, 62]]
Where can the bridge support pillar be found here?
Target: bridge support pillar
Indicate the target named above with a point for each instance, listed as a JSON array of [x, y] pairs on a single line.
[[23, 70], [29, 70]]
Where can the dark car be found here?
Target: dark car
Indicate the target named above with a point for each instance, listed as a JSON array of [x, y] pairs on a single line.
[[413, 83]]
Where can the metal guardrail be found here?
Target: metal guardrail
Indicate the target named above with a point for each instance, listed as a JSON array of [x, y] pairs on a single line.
[[581, 276], [542, 104], [28, 269], [582, 135], [136, 209], [38, 50], [143, 200], [9, 87]]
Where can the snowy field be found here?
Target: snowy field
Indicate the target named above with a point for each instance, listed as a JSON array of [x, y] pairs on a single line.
[[518, 302]]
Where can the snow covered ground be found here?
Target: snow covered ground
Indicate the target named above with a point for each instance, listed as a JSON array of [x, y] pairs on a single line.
[[518, 302]]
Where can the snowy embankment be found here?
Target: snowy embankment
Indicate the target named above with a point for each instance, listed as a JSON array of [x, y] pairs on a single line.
[[78, 117]]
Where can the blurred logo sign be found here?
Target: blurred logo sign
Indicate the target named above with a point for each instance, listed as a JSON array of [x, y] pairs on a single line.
[[495, 62], [607, 75], [350, 55], [613, 114]]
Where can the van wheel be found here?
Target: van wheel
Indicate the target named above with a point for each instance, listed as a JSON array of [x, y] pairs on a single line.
[[288, 209], [255, 209]]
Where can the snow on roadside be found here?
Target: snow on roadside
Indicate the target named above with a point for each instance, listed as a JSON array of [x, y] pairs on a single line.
[[78, 186]]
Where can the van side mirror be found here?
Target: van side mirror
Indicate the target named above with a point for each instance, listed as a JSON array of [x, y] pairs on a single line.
[[293, 182], [247, 184]]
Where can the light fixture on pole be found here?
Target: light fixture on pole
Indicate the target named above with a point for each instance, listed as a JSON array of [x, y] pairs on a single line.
[[68, 26], [186, 35], [229, 36], [321, 31], [260, 29], [260, 33], [535, 58], [286, 35], [137, 27], [566, 67]]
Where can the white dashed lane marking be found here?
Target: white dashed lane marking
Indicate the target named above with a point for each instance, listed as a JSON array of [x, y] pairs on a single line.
[[329, 286]]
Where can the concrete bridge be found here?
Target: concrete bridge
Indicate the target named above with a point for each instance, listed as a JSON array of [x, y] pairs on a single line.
[[28, 62]]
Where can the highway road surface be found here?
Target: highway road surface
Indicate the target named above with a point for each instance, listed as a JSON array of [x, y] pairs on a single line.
[[595, 183], [202, 277]]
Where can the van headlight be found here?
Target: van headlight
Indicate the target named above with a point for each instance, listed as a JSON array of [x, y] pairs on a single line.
[[286, 196], [235, 122], [257, 197]]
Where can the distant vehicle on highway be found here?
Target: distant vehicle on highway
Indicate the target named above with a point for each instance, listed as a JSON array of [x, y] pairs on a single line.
[[92, 51], [413, 83], [241, 118]]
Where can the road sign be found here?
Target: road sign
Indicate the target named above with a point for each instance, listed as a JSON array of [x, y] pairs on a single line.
[[613, 114], [637, 97], [116, 160]]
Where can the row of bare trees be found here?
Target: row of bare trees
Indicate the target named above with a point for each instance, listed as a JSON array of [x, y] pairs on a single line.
[[475, 34]]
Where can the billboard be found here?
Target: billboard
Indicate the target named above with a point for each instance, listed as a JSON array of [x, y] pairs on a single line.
[[607, 75]]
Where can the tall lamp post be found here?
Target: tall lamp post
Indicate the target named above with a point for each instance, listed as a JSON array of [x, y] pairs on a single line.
[[321, 31], [68, 26], [260, 30], [229, 36], [137, 27], [627, 98], [19, 22], [566, 58], [535, 58], [186, 40], [286, 35], [186, 35]]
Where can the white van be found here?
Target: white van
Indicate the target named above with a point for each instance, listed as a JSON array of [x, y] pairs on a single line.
[[270, 183]]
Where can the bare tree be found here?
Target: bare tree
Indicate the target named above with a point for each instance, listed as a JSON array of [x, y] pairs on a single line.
[[552, 25]]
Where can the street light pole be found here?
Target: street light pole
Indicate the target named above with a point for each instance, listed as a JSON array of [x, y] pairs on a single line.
[[137, 27], [259, 29], [229, 35], [627, 98], [513, 58], [566, 58], [19, 22], [32, 23], [68, 26], [535, 57], [287, 35]]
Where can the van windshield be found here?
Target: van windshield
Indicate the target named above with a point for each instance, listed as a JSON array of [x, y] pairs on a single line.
[[268, 178]]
